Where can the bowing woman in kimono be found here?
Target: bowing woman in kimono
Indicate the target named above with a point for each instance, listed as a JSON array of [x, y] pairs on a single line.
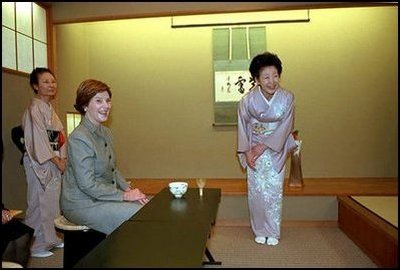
[[44, 162], [265, 125]]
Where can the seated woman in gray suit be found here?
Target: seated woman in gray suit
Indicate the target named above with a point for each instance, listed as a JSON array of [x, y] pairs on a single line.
[[94, 193]]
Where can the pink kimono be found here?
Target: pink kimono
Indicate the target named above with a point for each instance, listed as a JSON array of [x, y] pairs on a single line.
[[270, 123], [42, 129]]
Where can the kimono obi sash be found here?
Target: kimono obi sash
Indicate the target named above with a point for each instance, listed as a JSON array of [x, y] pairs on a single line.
[[265, 128]]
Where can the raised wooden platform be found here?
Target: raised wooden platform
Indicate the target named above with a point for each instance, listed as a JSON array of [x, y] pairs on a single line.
[[312, 186], [386, 207], [373, 234]]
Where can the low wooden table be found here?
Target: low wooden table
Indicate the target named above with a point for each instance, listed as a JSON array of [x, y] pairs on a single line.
[[191, 207], [166, 232]]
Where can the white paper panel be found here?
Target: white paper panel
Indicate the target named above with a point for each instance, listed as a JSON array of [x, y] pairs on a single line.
[[7, 14], [25, 55], [40, 50], [8, 56], [24, 17], [39, 23]]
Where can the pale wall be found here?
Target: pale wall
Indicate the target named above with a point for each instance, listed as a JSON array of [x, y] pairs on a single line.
[[342, 68], [16, 94]]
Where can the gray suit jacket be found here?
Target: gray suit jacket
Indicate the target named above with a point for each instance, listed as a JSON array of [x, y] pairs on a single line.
[[91, 176]]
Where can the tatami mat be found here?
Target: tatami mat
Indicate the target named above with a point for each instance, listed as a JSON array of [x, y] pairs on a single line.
[[383, 206]]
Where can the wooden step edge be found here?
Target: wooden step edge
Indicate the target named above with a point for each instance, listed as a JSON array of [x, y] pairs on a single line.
[[379, 186]]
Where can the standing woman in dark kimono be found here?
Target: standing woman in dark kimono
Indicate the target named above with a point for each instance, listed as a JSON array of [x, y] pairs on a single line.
[[44, 162], [265, 124]]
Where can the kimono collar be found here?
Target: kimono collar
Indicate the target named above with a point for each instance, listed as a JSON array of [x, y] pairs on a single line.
[[90, 126], [38, 100]]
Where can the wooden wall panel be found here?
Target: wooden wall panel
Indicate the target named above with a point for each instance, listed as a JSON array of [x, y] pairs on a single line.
[[376, 237]]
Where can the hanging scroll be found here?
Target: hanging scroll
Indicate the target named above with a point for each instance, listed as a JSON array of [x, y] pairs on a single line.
[[233, 49]]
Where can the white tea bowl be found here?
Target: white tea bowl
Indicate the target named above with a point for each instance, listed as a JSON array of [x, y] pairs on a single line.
[[178, 189]]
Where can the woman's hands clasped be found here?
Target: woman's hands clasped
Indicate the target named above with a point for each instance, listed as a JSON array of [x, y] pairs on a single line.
[[135, 195], [61, 163], [253, 154], [5, 216]]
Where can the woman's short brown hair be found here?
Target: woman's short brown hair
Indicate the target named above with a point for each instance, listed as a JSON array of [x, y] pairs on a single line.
[[86, 91]]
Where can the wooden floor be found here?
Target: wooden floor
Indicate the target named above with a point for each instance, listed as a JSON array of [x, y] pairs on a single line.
[[312, 186]]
